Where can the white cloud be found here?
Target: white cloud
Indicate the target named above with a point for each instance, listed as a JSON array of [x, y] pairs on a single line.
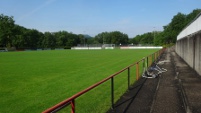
[[48, 2]]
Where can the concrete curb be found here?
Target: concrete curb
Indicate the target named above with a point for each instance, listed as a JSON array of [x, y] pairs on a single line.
[[183, 94], [154, 99], [184, 98]]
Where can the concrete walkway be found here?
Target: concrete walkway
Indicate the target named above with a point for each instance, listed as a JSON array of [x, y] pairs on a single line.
[[176, 91], [190, 84]]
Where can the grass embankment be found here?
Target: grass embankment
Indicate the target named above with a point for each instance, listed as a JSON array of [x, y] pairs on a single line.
[[34, 81]]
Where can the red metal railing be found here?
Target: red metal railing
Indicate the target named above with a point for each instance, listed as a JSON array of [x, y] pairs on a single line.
[[71, 101]]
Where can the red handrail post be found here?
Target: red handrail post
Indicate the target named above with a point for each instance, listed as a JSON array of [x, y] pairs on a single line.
[[128, 77], [112, 92], [137, 70], [151, 59], [155, 57], [72, 106]]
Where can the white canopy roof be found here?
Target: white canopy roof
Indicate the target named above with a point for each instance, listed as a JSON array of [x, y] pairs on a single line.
[[193, 27]]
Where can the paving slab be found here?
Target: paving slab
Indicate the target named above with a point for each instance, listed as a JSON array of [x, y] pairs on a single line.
[[191, 83], [168, 98]]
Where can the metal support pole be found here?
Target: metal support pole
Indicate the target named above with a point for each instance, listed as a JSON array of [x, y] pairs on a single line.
[[72, 106], [128, 77], [153, 57], [157, 55], [112, 92], [137, 71]]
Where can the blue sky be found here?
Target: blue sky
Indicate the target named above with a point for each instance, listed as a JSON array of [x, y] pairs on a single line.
[[91, 17]]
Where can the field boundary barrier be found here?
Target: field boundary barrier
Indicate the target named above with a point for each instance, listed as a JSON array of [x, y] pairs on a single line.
[[71, 101]]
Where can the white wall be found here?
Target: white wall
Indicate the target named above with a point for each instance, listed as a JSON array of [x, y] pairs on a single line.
[[188, 44]]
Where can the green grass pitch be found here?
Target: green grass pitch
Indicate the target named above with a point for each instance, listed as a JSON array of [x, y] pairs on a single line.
[[31, 82]]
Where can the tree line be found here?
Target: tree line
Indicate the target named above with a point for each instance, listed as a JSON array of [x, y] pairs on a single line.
[[13, 35], [169, 35]]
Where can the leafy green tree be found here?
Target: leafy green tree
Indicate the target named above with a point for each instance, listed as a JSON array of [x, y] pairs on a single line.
[[114, 37], [81, 39], [61, 38], [90, 41], [174, 28], [49, 40], [31, 38], [133, 41], [158, 38], [170, 32], [192, 16], [18, 40], [101, 38], [146, 38], [72, 40], [6, 30], [178, 23]]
